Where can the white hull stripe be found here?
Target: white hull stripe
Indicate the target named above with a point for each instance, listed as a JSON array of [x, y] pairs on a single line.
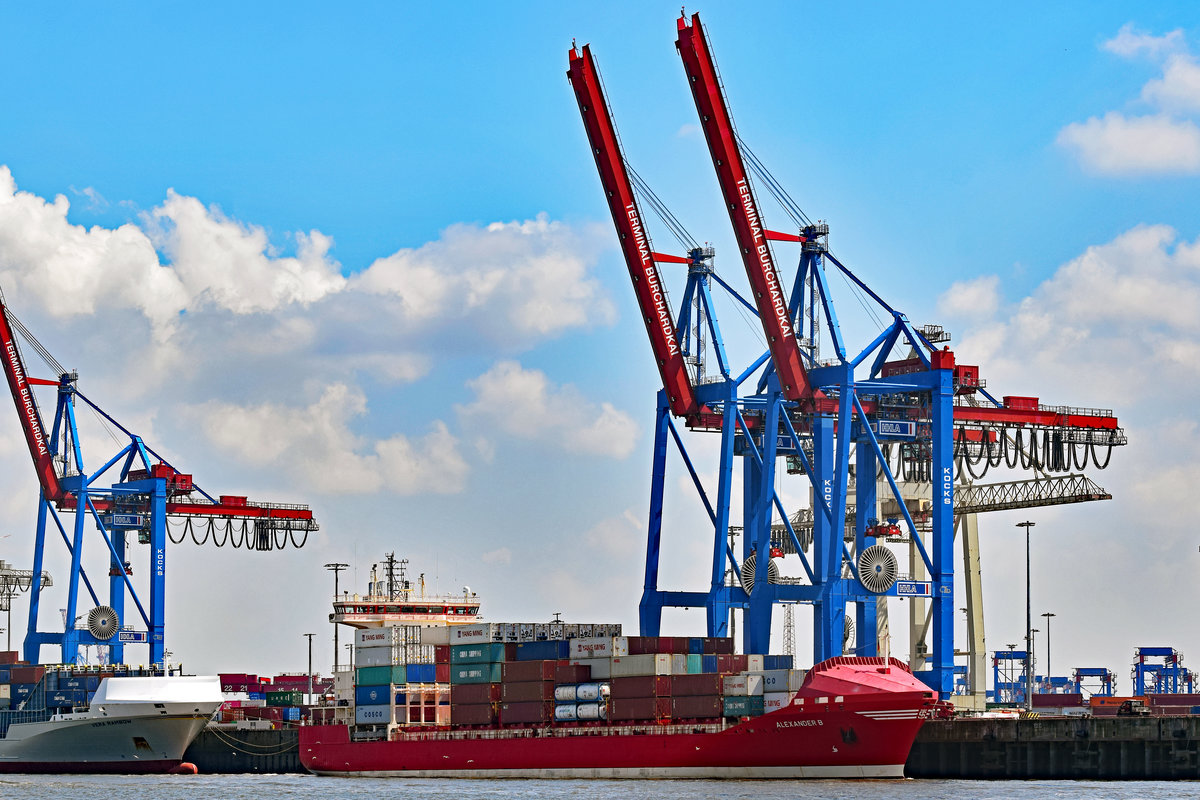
[[849, 771], [907, 714]]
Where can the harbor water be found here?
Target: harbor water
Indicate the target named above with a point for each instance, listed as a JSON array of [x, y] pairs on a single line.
[[302, 787]]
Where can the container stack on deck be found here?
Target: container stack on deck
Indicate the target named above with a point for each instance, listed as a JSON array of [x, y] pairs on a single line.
[[276, 701], [492, 674]]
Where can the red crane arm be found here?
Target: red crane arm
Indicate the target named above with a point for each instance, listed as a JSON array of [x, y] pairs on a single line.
[[635, 241], [27, 410], [769, 294]]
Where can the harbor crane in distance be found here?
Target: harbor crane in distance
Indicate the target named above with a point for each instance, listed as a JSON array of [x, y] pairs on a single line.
[[833, 417], [134, 491]]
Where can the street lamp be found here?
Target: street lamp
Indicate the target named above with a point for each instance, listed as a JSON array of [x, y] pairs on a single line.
[[335, 568], [1028, 624], [1048, 615]]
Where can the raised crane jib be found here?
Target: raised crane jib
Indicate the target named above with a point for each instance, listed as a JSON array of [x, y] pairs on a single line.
[[27, 410], [769, 294], [631, 230]]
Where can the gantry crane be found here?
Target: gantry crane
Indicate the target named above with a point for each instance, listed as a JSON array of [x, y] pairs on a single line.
[[825, 415], [146, 492]]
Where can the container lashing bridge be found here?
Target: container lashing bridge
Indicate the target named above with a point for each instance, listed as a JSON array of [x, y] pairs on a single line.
[[135, 490], [831, 417]]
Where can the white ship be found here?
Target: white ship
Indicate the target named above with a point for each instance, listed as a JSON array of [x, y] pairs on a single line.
[[132, 725]]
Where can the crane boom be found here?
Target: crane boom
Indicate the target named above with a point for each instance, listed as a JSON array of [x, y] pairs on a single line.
[[635, 240], [27, 410], [769, 293]]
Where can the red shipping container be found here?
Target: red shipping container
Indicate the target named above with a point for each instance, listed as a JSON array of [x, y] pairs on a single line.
[[9, 657], [1173, 699], [441, 673], [731, 664], [441, 654], [633, 708], [1057, 700], [523, 713], [694, 685], [474, 693], [473, 713], [523, 671], [718, 646], [429, 714], [527, 692], [27, 674], [640, 686], [676, 645], [698, 707], [572, 673]]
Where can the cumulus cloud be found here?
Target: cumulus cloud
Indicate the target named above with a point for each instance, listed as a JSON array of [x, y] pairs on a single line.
[[979, 297], [509, 281], [525, 404], [1163, 142], [316, 445]]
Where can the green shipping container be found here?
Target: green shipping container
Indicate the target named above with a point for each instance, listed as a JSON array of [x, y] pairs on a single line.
[[695, 664], [380, 676], [743, 706], [480, 653], [475, 673], [285, 699]]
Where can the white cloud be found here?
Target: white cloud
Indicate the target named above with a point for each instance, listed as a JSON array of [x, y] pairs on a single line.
[[623, 536], [1120, 145], [1130, 42], [500, 555], [316, 445], [508, 281], [976, 298], [525, 404], [1166, 142]]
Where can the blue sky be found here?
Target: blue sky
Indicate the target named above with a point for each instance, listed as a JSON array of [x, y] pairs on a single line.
[[361, 260]]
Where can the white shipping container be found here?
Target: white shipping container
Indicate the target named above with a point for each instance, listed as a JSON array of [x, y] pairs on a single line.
[[5, 691], [593, 647], [754, 663], [773, 701], [601, 667], [377, 656], [432, 637], [650, 664], [783, 680], [373, 715], [374, 637], [469, 634], [747, 684]]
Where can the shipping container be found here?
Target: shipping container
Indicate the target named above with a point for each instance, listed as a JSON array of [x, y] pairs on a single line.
[[526, 712], [375, 676], [543, 650], [5, 674], [773, 701], [695, 645], [27, 674], [442, 673], [593, 647], [282, 699], [778, 662], [436, 637], [474, 693], [571, 712], [372, 695], [22, 690], [572, 673], [644, 665], [701, 684], [742, 685], [441, 654], [696, 707], [742, 706], [640, 686], [638, 708], [582, 693], [718, 645], [373, 715], [475, 673], [783, 680], [695, 664], [754, 663], [483, 653], [421, 673], [9, 657], [519, 671], [5, 691], [527, 692], [472, 714], [478, 633], [65, 698], [731, 664], [377, 656]]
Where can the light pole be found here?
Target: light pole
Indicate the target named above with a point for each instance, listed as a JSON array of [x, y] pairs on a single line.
[[310, 635], [1048, 615], [1028, 623], [335, 568]]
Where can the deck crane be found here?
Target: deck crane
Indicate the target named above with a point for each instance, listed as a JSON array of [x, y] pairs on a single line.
[[147, 491], [639, 255]]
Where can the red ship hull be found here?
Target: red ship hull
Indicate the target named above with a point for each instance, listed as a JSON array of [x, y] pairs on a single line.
[[866, 732]]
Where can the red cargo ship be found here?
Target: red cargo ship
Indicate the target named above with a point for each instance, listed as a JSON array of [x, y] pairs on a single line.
[[851, 718]]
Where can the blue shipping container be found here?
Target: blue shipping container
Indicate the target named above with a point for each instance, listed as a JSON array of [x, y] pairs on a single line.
[[696, 645], [64, 698], [710, 663], [72, 683], [256, 695], [549, 650], [5, 674], [401, 698], [371, 695], [291, 714], [20, 691], [421, 673]]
